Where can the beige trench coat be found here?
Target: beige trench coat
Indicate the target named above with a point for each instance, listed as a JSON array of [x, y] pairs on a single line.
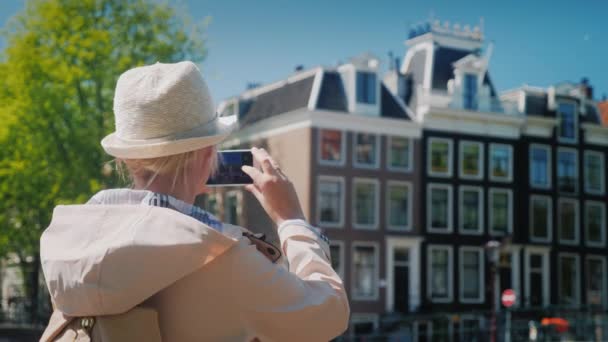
[[205, 285]]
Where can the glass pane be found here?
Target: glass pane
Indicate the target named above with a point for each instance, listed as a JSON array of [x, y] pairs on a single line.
[[330, 201], [364, 262], [470, 210], [500, 161], [470, 278], [568, 279], [439, 208], [471, 159], [536, 261], [365, 149], [539, 166], [595, 218], [439, 273], [366, 87], [567, 171], [470, 91], [567, 114], [567, 221], [331, 145], [500, 212], [336, 263], [540, 217], [595, 281], [439, 156], [401, 254], [398, 205], [593, 172], [400, 152], [365, 203]]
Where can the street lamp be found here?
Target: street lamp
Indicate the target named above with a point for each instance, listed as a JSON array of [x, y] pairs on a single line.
[[493, 253]]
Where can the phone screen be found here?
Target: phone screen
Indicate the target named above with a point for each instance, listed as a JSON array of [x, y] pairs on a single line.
[[229, 170]]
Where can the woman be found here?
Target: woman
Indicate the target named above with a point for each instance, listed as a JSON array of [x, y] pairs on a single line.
[[148, 248]]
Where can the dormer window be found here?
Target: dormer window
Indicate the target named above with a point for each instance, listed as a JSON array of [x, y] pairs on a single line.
[[567, 124], [366, 87], [469, 91]]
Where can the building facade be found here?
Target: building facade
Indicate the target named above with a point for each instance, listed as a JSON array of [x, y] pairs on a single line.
[[413, 172]]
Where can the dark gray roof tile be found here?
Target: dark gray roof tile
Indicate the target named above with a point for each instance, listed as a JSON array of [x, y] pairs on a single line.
[[332, 95]]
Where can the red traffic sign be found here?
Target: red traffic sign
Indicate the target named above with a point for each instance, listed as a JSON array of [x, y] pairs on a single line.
[[508, 298]]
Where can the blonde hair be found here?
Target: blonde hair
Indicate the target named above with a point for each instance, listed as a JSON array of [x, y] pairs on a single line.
[[142, 172]]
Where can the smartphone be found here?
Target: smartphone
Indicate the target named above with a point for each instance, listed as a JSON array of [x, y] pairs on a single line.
[[229, 171]]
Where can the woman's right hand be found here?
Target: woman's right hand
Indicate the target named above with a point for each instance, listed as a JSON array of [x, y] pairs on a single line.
[[273, 189]]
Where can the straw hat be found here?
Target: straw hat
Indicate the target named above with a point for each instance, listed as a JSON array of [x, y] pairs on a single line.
[[162, 110]]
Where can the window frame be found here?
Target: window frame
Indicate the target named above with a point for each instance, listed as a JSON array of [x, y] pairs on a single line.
[[340, 223], [577, 281], [429, 159], [493, 178], [390, 227], [547, 148], [544, 252], [474, 106], [602, 205], [510, 211], [604, 289], [340, 244], [376, 183], [602, 189], [480, 160], [376, 246], [481, 206], [549, 237], [576, 169], [577, 219], [343, 143], [429, 275], [576, 122], [377, 150], [429, 210], [481, 298], [410, 154]]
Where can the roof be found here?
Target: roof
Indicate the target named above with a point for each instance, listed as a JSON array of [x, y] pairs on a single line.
[[537, 105], [603, 112], [291, 96], [286, 98]]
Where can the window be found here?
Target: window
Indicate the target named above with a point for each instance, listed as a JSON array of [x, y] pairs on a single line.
[[439, 208], [470, 92], [331, 147], [399, 205], [336, 249], [567, 170], [567, 212], [594, 172], [440, 157], [362, 324], [210, 204], [501, 211], [596, 280], [471, 275], [471, 210], [501, 162], [400, 153], [537, 287], [540, 166], [231, 208], [365, 203], [365, 272], [569, 291], [540, 218], [568, 122], [470, 328], [471, 160], [595, 223], [439, 283], [366, 87], [330, 208], [366, 150]]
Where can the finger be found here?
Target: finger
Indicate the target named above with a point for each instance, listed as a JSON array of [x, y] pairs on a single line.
[[255, 191], [254, 173], [267, 156], [268, 168]]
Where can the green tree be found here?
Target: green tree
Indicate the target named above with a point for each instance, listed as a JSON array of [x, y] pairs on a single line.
[[57, 77]]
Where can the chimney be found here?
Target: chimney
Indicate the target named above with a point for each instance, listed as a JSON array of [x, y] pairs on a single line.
[[586, 89], [299, 68], [252, 85]]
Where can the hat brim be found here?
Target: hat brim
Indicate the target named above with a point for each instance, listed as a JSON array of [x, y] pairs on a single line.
[[209, 134]]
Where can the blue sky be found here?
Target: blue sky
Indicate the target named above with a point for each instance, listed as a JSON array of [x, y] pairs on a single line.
[[535, 42]]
